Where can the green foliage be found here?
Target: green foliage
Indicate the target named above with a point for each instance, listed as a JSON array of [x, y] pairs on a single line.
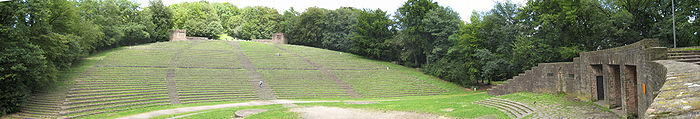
[[41, 37], [161, 17], [198, 18], [23, 68], [412, 38], [372, 35], [257, 23]]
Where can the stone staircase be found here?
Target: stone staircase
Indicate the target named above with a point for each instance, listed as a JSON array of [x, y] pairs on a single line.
[[513, 109], [516, 83], [41, 105], [689, 56]]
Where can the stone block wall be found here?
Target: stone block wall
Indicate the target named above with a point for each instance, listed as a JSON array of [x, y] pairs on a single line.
[[276, 38], [621, 75], [178, 35]]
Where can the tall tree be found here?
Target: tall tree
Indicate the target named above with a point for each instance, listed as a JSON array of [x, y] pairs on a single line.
[[372, 35], [412, 38], [162, 19]]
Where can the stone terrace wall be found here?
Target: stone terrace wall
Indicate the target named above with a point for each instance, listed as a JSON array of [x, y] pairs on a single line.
[[627, 77], [539, 78], [679, 97], [276, 38]]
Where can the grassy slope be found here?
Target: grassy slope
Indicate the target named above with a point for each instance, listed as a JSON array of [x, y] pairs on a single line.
[[456, 98], [95, 58]]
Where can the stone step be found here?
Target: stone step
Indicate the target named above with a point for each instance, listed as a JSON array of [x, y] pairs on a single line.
[[217, 100], [114, 106], [214, 98], [110, 103], [98, 87], [518, 108], [42, 105], [683, 56], [685, 51], [74, 102], [112, 96], [516, 111], [680, 54], [216, 88], [688, 60], [115, 90], [115, 110], [530, 109], [41, 109], [216, 93], [112, 93], [43, 113], [509, 113], [22, 115]]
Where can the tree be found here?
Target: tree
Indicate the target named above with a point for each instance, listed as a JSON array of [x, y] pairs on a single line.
[[440, 23], [162, 19], [258, 23], [198, 18], [310, 27], [372, 35], [412, 39]]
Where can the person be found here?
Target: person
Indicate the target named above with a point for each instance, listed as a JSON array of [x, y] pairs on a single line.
[[261, 83]]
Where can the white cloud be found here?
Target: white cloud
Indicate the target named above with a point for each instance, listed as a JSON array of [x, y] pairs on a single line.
[[463, 7]]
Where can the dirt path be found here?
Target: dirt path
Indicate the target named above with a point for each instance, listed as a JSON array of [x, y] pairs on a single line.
[[288, 103], [321, 112], [200, 108]]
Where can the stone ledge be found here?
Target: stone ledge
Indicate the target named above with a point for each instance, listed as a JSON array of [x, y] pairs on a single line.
[[677, 100]]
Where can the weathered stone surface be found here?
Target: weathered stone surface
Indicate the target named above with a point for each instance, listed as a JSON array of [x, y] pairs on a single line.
[[679, 97], [248, 112]]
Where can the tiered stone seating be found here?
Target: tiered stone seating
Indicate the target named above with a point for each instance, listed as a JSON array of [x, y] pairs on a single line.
[[207, 59], [208, 85], [104, 89], [207, 71], [386, 83], [513, 109], [690, 56], [139, 57], [334, 60], [294, 84], [41, 105], [265, 56]]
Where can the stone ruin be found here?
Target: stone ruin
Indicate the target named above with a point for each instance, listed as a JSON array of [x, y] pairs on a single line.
[[276, 38], [181, 35], [628, 78]]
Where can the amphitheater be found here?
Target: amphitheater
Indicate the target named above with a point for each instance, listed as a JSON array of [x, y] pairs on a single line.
[[637, 80], [208, 71]]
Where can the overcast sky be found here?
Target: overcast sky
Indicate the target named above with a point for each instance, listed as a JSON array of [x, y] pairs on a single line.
[[463, 7]]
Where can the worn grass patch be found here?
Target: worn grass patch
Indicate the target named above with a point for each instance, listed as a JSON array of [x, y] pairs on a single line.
[[461, 104], [276, 111]]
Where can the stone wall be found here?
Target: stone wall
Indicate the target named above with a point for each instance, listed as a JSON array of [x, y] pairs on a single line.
[[178, 35], [181, 35], [276, 38], [621, 75]]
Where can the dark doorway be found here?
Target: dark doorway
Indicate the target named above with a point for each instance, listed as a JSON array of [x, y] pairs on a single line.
[[599, 85]]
